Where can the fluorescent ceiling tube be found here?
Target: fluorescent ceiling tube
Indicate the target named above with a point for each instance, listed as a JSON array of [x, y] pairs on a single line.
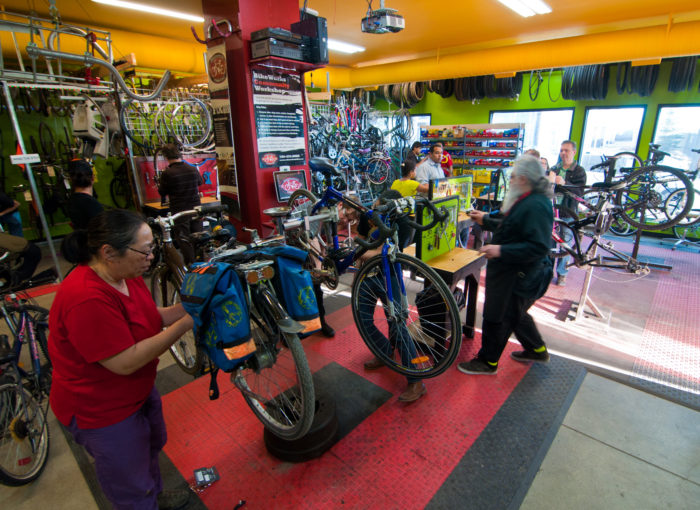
[[151, 9], [343, 47], [527, 8]]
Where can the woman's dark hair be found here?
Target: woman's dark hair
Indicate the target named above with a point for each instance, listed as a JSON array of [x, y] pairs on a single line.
[[115, 227], [171, 151], [416, 144], [407, 167], [80, 173]]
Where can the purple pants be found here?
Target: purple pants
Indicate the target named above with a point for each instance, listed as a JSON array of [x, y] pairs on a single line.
[[126, 455]]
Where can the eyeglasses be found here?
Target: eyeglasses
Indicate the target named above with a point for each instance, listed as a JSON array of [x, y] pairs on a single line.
[[146, 253]]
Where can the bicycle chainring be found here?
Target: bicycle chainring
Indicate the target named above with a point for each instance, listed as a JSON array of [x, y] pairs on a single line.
[[331, 277]]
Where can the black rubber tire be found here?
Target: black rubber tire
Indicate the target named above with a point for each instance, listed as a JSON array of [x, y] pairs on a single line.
[[563, 216], [120, 192], [16, 441], [322, 435], [165, 291], [377, 171], [430, 360], [267, 380], [627, 162], [647, 191]]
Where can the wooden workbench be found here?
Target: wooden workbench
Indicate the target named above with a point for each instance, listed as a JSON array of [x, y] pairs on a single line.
[[454, 266], [158, 209]]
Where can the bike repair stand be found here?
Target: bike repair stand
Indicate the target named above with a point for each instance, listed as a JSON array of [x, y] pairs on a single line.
[[635, 251], [585, 300]]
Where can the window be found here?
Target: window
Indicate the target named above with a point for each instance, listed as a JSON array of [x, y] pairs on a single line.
[[678, 132], [544, 129], [606, 132]]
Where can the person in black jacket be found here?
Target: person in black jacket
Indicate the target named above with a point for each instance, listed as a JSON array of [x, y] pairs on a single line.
[[82, 205], [518, 269], [180, 182], [569, 173]]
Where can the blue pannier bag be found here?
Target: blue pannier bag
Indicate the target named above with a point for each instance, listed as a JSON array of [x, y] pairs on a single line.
[[212, 294], [293, 283]]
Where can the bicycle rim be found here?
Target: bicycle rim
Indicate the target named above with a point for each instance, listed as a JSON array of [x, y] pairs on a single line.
[[24, 436], [166, 292], [417, 344], [643, 200], [276, 381], [377, 171]]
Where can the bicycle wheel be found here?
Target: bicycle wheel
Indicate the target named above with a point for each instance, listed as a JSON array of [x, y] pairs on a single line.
[[643, 200], [24, 436], [627, 162], [276, 381], [419, 332], [676, 201], [166, 292], [120, 191], [621, 228], [377, 170], [562, 233]]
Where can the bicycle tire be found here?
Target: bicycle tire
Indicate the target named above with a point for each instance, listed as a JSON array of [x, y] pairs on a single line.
[[642, 201], [165, 291], [431, 341], [377, 171], [676, 200], [630, 160], [621, 228], [120, 192], [534, 85], [549, 89], [24, 436], [276, 381], [563, 216]]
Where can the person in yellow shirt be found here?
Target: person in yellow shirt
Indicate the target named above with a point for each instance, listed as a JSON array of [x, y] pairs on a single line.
[[407, 185]]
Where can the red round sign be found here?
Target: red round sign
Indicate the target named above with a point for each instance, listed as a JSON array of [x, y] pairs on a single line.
[[291, 184], [270, 159], [217, 68]]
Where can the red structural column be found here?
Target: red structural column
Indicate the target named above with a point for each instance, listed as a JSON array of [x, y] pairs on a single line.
[[255, 184]]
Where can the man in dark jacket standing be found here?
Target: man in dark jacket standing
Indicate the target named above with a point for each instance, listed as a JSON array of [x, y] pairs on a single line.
[[518, 269], [181, 182], [572, 175]]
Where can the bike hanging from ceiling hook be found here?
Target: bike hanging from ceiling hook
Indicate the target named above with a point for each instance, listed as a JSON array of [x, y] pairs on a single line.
[[214, 24]]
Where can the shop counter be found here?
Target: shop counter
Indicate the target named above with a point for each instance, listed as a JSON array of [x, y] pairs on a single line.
[[158, 209], [455, 266]]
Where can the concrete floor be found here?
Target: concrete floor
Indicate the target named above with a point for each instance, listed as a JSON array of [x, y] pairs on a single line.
[[618, 447]]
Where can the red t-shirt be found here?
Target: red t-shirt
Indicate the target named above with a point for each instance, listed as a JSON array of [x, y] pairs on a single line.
[[446, 163], [90, 321]]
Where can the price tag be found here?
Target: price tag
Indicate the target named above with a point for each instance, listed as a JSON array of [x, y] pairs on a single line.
[[27, 196], [21, 159], [50, 171]]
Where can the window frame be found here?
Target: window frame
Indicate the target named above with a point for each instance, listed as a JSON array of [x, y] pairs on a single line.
[[644, 107], [658, 114]]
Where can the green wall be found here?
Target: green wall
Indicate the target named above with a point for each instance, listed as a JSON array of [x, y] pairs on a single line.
[[450, 111]]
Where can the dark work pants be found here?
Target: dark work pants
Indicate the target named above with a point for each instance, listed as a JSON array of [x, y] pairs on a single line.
[[126, 455], [318, 292], [494, 335], [181, 233]]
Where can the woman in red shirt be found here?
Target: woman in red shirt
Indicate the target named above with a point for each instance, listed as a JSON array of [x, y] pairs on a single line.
[[106, 334]]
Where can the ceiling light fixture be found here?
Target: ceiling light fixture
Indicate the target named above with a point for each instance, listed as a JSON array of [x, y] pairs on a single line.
[[343, 47], [151, 9], [527, 8]]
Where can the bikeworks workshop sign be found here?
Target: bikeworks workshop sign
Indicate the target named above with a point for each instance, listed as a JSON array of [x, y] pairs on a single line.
[[223, 129], [279, 118]]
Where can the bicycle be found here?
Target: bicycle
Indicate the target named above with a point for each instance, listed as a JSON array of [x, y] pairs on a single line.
[[24, 433], [275, 381], [427, 340], [168, 271]]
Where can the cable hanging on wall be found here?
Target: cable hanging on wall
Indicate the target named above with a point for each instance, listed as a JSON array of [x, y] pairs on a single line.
[[682, 74], [585, 82]]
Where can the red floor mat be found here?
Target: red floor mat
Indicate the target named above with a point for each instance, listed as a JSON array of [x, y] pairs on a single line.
[[396, 458]]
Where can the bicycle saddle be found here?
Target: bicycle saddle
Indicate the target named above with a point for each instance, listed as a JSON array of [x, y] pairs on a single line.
[[609, 186], [324, 166]]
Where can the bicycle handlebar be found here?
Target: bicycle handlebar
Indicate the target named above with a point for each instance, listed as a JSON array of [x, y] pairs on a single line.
[[200, 210], [231, 252], [401, 204]]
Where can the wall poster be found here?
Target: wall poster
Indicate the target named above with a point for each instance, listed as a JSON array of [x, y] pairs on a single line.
[[279, 118], [223, 129]]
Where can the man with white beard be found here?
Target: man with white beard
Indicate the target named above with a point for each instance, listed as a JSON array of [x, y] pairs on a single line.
[[519, 269]]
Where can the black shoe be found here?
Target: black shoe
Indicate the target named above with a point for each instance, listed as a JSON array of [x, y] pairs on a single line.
[[173, 500], [327, 330], [525, 356], [477, 367]]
